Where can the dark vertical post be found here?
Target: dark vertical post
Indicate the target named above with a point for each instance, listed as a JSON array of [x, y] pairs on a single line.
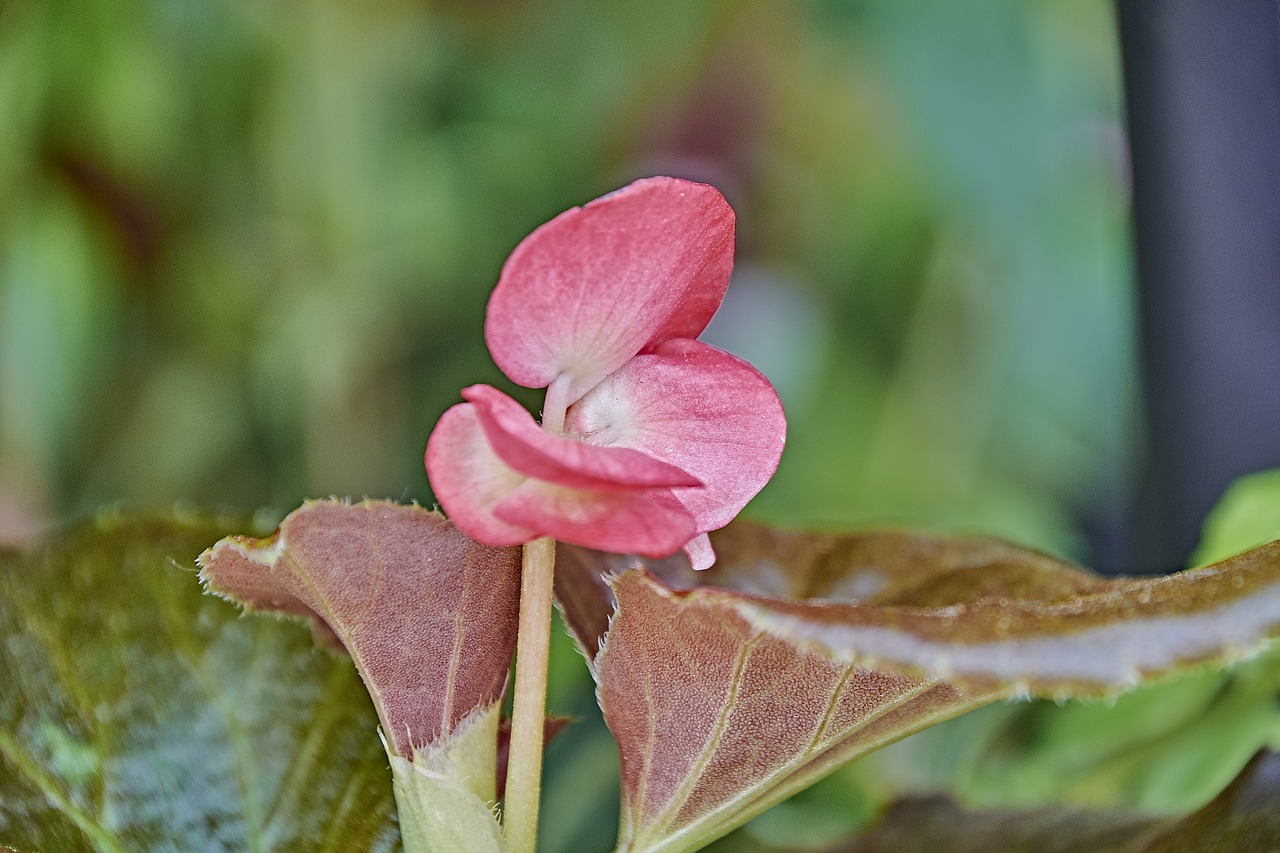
[[1202, 81]]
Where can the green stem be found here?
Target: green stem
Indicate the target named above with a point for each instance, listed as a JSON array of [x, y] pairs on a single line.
[[524, 767], [529, 711]]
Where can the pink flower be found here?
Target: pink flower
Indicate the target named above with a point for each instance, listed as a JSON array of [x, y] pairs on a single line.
[[650, 438]]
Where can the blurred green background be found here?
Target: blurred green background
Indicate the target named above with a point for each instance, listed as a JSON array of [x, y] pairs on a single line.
[[245, 249]]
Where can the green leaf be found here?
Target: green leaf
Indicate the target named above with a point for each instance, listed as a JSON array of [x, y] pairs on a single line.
[[1248, 515], [1242, 819], [139, 715], [429, 617], [1163, 748], [441, 809]]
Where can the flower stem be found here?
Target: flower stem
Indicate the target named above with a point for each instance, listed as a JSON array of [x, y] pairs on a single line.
[[528, 715], [529, 711], [556, 405]]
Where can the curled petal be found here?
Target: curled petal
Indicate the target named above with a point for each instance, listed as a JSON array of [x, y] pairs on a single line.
[[698, 408], [469, 479], [649, 522], [523, 445], [591, 288]]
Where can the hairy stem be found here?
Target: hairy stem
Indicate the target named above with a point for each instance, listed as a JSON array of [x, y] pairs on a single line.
[[524, 767]]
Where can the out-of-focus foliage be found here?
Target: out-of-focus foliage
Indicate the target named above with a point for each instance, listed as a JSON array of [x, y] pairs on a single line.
[[245, 249], [1247, 515], [156, 720], [1243, 818]]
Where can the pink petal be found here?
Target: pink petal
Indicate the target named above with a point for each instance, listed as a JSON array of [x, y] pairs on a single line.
[[650, 523], [699, 408], [698, 550], [523, 445], [469, 479], [591, 288]]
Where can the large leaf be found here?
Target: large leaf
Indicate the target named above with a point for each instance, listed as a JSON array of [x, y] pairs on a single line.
[[1028, 633], [1242, 819], [721, 705], [1165, 748], [137, 714], [428, 616], [716, 721]]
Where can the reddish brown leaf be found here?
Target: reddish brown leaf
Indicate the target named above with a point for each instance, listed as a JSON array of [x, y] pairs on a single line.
[[715, 721], [721, 706], [878, 567], [1101, 636], [428, 615]]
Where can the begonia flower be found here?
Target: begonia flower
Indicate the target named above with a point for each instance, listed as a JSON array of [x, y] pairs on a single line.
[[650, 438]]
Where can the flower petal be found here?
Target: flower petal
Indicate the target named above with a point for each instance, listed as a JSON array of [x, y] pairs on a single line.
[[591, 288], [696, 407], [469, 479], [649, 522], [699, 551], [519, 442]]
